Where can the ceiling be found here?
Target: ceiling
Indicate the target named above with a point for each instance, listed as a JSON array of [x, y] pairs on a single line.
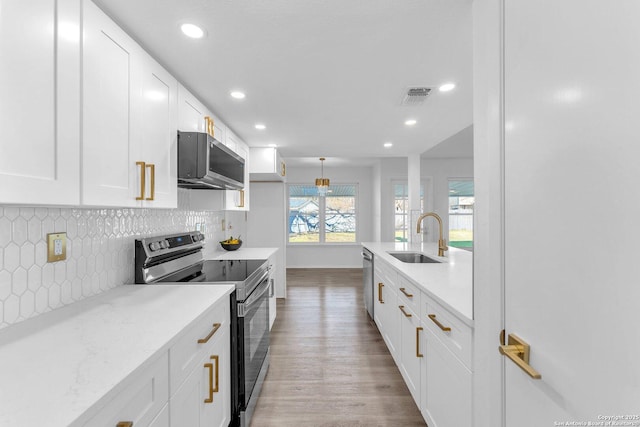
[[326, 77]]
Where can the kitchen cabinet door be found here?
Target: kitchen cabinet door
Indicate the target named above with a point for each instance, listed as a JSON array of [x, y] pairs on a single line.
[[238, 200], [204, 399], [446, 386], [411, 349], [39, 102], [267, 164], [386, 308], [157, 133], [111, 71]]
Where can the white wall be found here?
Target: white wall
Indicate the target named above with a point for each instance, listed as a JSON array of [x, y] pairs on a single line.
[[336, 255]]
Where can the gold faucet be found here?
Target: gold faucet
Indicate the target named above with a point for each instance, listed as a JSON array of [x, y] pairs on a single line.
[[442, 243]]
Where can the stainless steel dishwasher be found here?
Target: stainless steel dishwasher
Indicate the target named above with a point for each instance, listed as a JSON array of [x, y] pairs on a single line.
[[367, 280]]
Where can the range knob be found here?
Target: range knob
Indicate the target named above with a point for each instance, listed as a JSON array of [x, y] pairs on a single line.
[[154, 246], [164, 244]]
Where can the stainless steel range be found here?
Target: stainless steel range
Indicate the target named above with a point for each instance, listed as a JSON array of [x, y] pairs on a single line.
[[178, 258]]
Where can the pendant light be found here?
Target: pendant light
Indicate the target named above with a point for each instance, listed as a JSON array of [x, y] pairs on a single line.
[[322, 183]]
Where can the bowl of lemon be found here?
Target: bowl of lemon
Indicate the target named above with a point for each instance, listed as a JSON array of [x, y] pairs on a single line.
[[231, 244]]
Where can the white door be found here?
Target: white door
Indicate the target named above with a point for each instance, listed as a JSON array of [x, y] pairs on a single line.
[[572, 209], [39, 102]]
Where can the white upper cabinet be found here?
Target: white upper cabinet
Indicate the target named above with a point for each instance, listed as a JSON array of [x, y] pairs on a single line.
[[129, 121], [238, 200], [39, 102], [192, 113], [267, 165], [158, 134]]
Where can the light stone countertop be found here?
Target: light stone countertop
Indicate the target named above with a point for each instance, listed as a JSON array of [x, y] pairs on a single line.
[[450, 282], [58, 365], [240, 254]]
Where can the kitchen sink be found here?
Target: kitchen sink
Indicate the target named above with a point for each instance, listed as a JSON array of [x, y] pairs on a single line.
[[413, 257]]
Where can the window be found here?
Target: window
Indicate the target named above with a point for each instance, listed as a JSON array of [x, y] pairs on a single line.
[[329, 219], [461, 201], [401, 206]]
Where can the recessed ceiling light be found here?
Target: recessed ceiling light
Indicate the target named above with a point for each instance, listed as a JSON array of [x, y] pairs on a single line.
[[238, 95], [193, 31], [410, 122], [447, 87], [272, 145], [388, 145], [260, 126]]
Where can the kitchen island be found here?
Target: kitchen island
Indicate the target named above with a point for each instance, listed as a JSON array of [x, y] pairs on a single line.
[[424, 312], [449, 282]]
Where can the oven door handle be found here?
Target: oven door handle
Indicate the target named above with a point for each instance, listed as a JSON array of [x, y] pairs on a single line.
[[244, 307]]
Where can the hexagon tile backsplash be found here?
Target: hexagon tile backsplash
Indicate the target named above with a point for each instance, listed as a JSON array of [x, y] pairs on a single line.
[[100, 251]]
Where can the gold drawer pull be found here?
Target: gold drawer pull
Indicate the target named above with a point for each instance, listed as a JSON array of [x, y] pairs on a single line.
[[440, 325], [153, 180], [125, 424], [380, 285], [418, 354], [206, 339], [401, 307], [518, 351], [142, 179], [405, 293], [212, 389]]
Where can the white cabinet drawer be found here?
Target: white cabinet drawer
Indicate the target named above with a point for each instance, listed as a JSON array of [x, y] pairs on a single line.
[[408, 294], [387, 275], [139, 401], [196, 342], [458, 339]]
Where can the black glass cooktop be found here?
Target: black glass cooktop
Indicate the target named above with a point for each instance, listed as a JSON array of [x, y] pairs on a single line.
[[229, 271]]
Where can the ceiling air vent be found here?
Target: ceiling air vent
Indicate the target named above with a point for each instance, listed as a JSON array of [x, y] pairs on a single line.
[[415, 95]]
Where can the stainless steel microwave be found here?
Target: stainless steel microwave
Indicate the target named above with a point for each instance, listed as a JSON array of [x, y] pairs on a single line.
[[206, 163]]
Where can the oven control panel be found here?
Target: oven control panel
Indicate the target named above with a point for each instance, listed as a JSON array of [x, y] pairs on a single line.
[[172, 242]]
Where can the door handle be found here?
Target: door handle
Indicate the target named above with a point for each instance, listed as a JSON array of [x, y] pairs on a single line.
[[152, 174], [418, 354], [401, 307], [380, 285], [518, 351], [143, 170]]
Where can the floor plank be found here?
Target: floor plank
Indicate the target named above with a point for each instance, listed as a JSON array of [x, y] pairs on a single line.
[[329, 364]]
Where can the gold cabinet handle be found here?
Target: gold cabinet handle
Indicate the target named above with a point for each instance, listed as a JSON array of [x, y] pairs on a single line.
[[142, 179], [241, 197], [418, 354], [152, 167], [405, 293], [380, 285], [212, 388], [283, 171], [401, 307], [206, 339], [125, 424], [440, 325], [518, 351]]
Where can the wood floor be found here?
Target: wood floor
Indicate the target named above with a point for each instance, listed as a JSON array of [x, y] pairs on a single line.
[[329, 364]]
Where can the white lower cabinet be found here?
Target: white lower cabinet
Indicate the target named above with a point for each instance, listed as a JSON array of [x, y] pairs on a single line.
[[411, 349], [204, 398], [142, 401], [430, 345], [446, 386], [200, 372], [386, 310]]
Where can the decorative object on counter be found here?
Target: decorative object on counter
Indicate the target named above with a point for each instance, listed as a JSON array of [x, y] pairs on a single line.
[[231, 244], [322, 183], [442, 243]]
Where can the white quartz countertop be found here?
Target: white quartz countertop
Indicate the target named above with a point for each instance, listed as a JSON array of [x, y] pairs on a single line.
[[450, 282], [240, 254], [60, 364]]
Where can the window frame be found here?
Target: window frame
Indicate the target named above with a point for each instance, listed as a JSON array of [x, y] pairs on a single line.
[[322, 207]]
